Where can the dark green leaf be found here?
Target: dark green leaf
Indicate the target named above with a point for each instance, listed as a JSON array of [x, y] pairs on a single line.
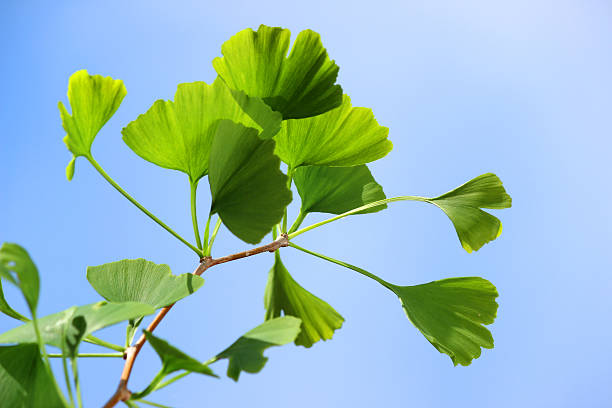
[[450, 313], [284, 294], [139, 280], [178, 135], [15, 259], [463, 206], [97, 315], [174, 359], [74, 334], [346, 136], [336, 190], [246, 353], [7, 309], [24, 379], [94, 100], [300, 85], [248, 189]]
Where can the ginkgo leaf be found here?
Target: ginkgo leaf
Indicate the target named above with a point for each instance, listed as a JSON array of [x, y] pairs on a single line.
[[97, 316], [178, 135], [336, 190], [7, 309], [345, 136], [94, 99], [25, 381], [139, 280], [246, 353], [15, 259], [451, 313], [249, 192], [284, 294], [174, 359], [474, 226], [299, 85]]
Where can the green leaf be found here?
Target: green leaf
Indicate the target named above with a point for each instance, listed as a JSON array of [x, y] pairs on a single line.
[[299, 86], [15, 259], [97, 316], [246, 353], [346, 136], [73, 335], [7, 309], [94, 99], [336, 190], [249, 192], [178, 135], [450, 313], [463, 206], [139, 280], [24, 379], [284, 294], [174, 359]]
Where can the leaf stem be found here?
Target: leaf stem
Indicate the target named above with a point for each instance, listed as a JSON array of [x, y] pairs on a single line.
[[151, 387], [356, 210], [182, 375], [194, 215], [346, 265], [214, 235], [298, 221], [112, 182], [153, 404], [289, 180], [66, 374], [77, 383], [99, 342], [82, 355]]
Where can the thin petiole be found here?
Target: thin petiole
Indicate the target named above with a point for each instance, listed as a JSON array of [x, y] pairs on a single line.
[[213, 236], [112, 182], [194, 215], [153, 404], [99, 342], [66, 374], [289, 180], [298, 221], [77, 383], [207, 233], [178, 377], [82, 355]]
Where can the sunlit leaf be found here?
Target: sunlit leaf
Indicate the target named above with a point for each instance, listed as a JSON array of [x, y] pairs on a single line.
[[300, 85], [14, 259], [246, 353], [474, 226], [139, 280], [284, 294], [97, 315], [174, 359], [336, 190], [249, 192], [24, 380], [94, 99], [345, 136], [7, 309], [178, 135]]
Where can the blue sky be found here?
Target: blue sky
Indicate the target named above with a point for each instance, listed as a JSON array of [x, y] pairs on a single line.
[[518, 88]]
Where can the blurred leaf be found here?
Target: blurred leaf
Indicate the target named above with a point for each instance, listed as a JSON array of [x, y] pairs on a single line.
[[15, 259], [450, 314], [178, 135], [246, 353], [139, 280], [94, 100], [24, 379], [463, 206], [336, 190], [74, 333], [97, 315], [249, 192], [346, 136], [284, 294], [300, 85], [7, 309], [174, 359]]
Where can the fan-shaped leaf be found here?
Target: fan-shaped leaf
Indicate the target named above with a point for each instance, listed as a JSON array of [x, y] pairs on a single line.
[[450, 314], [299, 86], [174, 359], [284, 294], [7, 309], [248, 189], [15, 259], [94, 99], [178, 135], [139, 280], [346, 136]]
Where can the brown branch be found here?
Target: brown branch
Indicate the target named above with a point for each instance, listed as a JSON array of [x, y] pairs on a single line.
[[122, 393]]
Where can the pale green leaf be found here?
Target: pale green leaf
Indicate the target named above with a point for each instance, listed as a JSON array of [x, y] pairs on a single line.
[[24, 379], [142, 281], [450, 313], [174, 359], [474, 226], [97, 315], [336, 190], [345, 136], [249, 192], [15, 259], [178, 135], [94, 99], [246, 353], [300, 85], [284, 294]]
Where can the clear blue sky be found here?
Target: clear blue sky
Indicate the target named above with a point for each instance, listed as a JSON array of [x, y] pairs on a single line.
[[520, 88]]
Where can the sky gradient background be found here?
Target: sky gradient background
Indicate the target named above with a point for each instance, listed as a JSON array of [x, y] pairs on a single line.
[[520, 88]]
